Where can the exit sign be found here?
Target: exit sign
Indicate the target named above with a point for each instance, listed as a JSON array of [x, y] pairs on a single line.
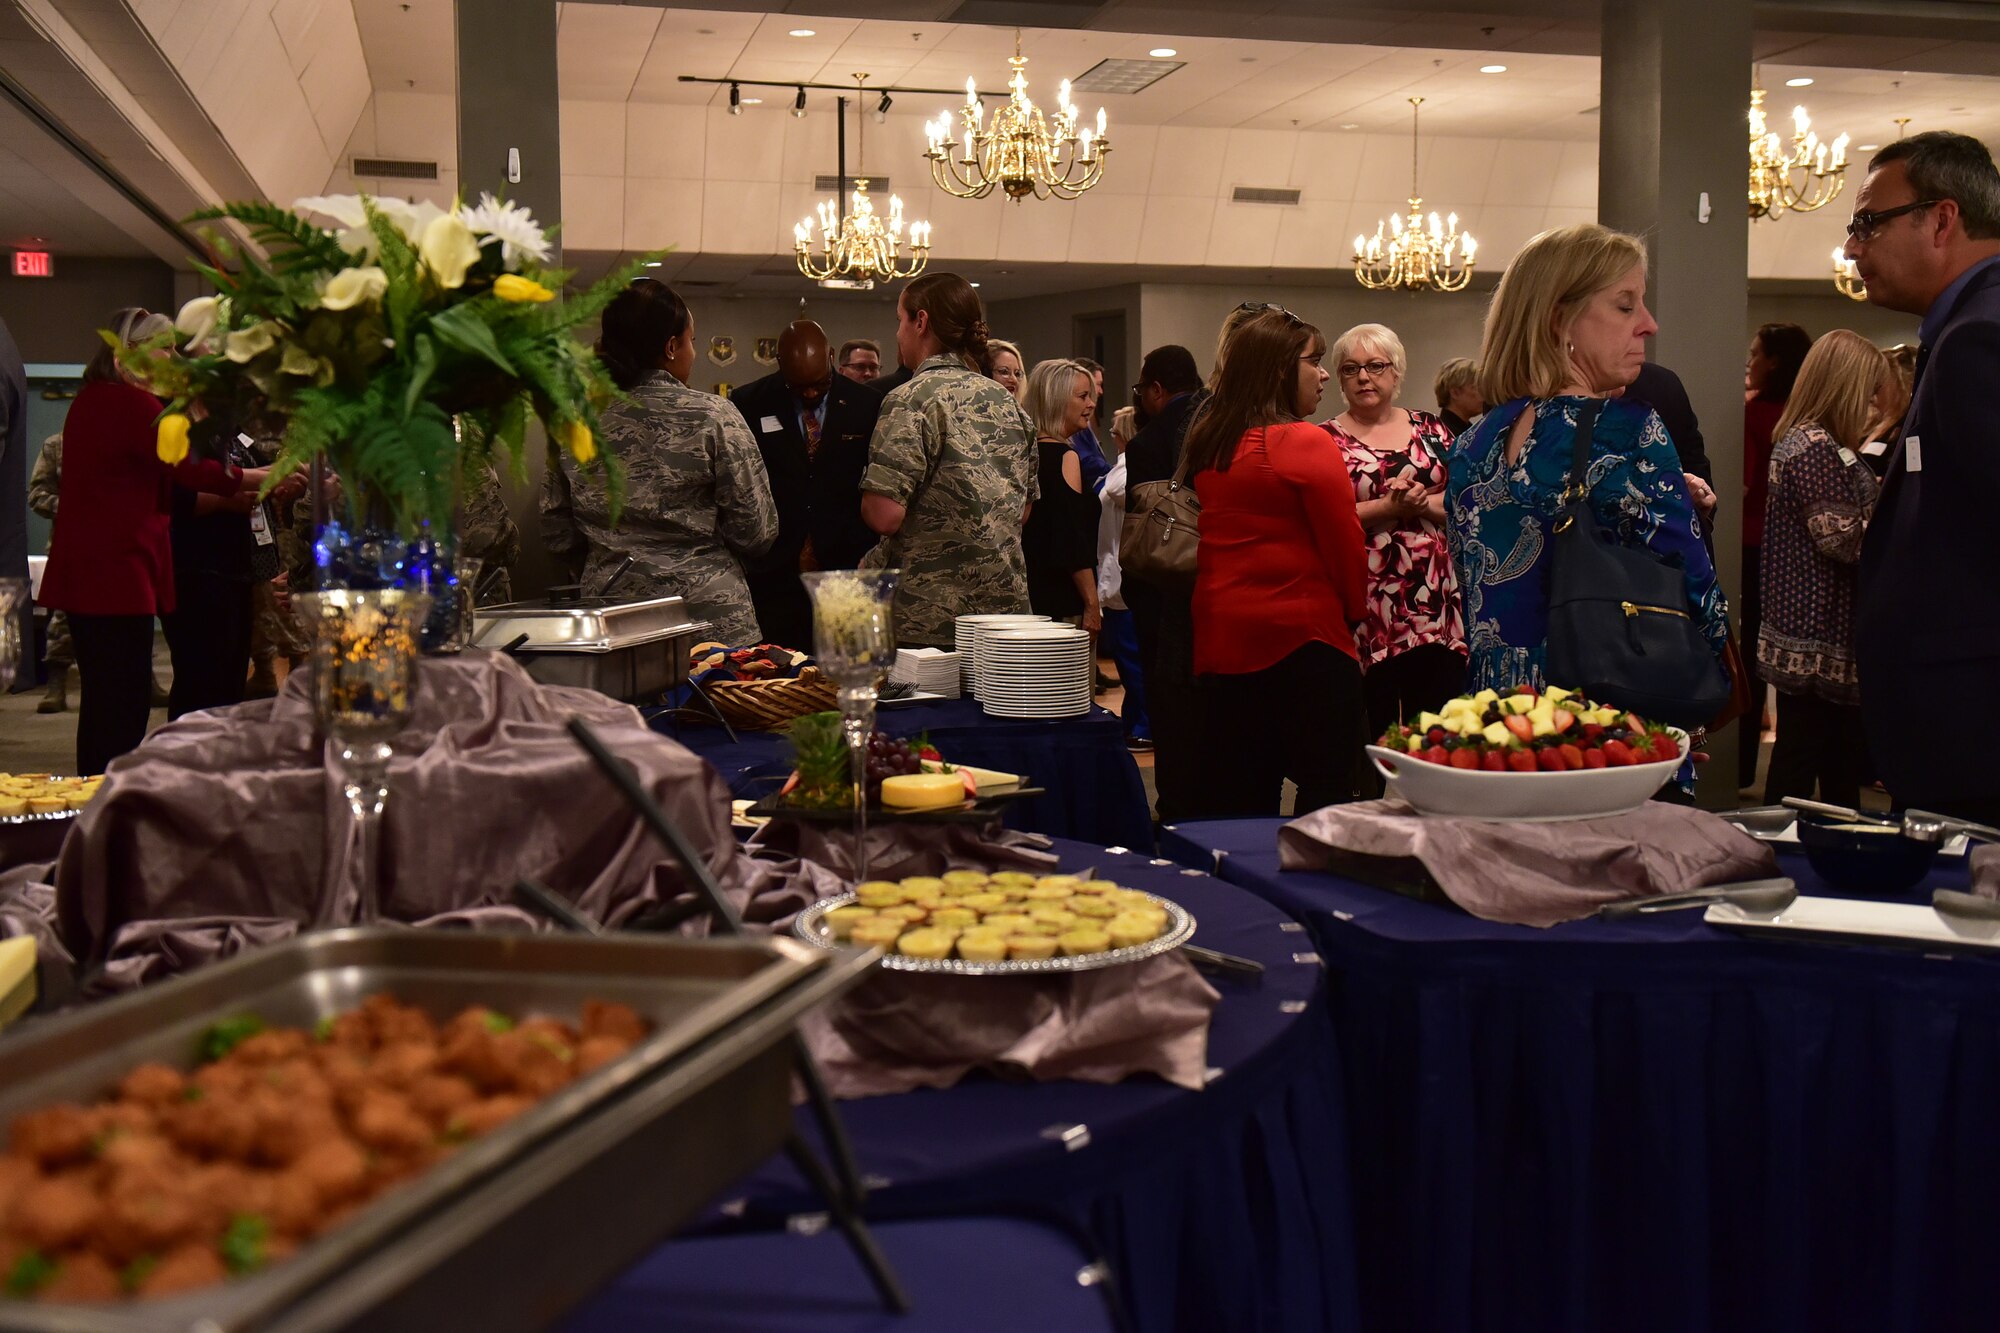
[[34, 264]]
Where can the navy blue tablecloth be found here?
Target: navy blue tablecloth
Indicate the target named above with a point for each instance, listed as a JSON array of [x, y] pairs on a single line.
[[1094, 790], [1218, 1210], [963, 1275], [1651, 1124]]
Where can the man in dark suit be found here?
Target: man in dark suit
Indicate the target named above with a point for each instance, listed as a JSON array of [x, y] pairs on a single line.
[[812, 426], [1926, 239], [1168, 389]]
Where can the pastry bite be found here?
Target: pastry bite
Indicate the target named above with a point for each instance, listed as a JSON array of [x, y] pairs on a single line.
[[1083, 940], [842, 920], [1092, 906], [1007, 923], [922, 884], [960, 917], [877, 934], [1012, 879], [1052, 915], [963, 877], [982, 946], [925, 944], [984, 902], [1126, 933], [1031, 946], [908, 913], [1051, 892]]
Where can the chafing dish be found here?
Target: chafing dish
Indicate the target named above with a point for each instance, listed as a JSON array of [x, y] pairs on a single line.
[[628, 650], [524, 1222]]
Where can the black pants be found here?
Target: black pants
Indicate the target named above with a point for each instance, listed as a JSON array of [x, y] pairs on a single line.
[[208, 635], [114, 664], [1165, 623], [784, 610], [1418, 680], [1302, 719], [1818, 742], [1750, 727]]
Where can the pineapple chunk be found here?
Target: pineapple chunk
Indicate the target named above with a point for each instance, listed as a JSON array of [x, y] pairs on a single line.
[[1483, 698], [1416, 744], [1543, 718], [1452, 707], [1516, 703], [1556, 693], [1497, 734], [1425, 721]]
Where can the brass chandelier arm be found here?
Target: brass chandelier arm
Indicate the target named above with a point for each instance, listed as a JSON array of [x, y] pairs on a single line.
[[1406, 253], [856, 245], [1019, 150]]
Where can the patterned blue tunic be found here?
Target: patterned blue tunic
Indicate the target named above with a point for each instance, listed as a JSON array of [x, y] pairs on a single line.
[[1499, 518]]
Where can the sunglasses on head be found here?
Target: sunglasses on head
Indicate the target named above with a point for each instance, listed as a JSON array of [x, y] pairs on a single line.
[[1260, 307]]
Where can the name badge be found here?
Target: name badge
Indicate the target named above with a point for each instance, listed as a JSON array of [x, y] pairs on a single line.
[[769, 425], [259, 528], [1913, 454]]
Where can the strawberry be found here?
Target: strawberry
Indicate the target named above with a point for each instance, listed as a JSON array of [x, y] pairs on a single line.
[[1551, 760], [1571, 756], [1494, 761], [1618, 754], [1521, 761], [1592, 730], [1465, 757], [1563, 720], [1636, 724], [1665, 747], [930, 752], [1437, 754], [1594, 759], [1518, 724]]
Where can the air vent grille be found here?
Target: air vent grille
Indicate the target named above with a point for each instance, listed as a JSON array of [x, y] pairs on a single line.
[[1257, 194], [395, 168], [829, 184], [1123, 76]]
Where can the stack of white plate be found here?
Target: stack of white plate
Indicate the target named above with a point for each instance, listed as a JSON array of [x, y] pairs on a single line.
[[1034, 671], [964, 634], [932, 670]]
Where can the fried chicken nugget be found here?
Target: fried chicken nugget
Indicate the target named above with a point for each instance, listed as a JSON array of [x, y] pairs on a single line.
[[155, 1085], [81, 1276], [185, 1268], [216, 1126], [55, 1136], [145, 1211], [596, 1052], [336, 1169], [402, 1063], [55, 1212], [438, 1097], [385, 1121], [484, 1117], [602, 1018]]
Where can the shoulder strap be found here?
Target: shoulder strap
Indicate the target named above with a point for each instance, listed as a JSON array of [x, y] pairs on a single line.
[[1579, 467]]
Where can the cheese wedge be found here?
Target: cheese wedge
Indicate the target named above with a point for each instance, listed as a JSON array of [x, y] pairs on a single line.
[[922, 791]]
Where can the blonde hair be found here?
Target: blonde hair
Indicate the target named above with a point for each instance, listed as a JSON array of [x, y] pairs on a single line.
[[1231, 322], [1524, 352], [1379, 336], [1836, 387], [1047, 394], [1452, 376]]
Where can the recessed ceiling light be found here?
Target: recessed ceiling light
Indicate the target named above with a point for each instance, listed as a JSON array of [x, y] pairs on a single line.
[[803, 32], [975, 284], [1867, 147], [1798, 83], [1492, 69], [1163, 53], [652, 263], [753, 101], [1350, 125]]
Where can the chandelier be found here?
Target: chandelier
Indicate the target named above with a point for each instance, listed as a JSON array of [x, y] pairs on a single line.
[[1411, 254], [1020, 151], [1807, 175], [1846, 277], [856, 246]]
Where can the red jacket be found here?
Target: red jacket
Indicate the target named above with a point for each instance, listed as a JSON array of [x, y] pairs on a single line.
[[109, 554], [1760, 421], [1283, 561]]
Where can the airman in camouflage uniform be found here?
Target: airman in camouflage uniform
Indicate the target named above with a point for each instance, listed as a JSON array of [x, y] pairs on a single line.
[[696, 497], [958, 453], [44, 486], [487, 533]]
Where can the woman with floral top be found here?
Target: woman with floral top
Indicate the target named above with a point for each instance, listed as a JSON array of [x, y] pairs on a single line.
[[1816, 510], [1413, 641]]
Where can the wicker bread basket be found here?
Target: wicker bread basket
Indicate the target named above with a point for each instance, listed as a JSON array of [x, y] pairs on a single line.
[[765, 705]]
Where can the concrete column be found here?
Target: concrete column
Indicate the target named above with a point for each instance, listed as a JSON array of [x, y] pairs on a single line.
[[508, 101], [1675, 93]]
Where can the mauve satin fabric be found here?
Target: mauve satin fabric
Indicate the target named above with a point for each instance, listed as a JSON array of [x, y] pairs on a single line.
[[1538, 874]]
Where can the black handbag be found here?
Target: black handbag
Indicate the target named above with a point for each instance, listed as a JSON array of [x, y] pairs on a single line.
[[1620, 630]]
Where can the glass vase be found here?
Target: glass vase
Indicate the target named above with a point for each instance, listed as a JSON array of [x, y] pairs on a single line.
[[364, 663], [854, 645]]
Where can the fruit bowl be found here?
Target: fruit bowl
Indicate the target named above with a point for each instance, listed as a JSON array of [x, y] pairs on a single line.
[[1471, 793]]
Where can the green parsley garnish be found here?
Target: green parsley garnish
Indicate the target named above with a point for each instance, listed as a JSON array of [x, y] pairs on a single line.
[[224, 1035]]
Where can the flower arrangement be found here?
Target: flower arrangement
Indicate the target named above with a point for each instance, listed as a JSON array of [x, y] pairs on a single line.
[[369, 337]]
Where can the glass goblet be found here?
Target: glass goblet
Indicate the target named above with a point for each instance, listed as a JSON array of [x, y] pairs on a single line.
[[854, 643], [365, 655]]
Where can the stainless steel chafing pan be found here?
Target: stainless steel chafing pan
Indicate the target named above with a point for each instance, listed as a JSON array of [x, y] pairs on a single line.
[[525, 1221], [628, 650]]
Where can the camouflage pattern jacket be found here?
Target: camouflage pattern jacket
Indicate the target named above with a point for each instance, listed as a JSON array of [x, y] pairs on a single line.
[[696, 498], [958, 453], [45, 482]]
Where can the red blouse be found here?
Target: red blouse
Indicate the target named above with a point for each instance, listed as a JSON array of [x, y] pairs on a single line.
[[1282, 560], [109, 553], [1760, 422]]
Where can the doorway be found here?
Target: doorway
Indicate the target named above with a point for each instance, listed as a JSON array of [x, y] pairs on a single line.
[[1101, 337]]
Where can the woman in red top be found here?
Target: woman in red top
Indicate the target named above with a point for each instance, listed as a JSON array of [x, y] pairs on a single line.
[[1281, 580], [111, 566], [1769, 371]]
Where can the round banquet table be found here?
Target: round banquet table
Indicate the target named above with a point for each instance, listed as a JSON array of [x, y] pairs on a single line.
[[1653, 1124], [1218, 1210], [1094, 791], [963, 1275]]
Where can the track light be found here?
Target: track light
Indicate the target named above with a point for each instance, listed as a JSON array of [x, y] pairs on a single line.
[[735, 100], [799, 103], [882, 109]]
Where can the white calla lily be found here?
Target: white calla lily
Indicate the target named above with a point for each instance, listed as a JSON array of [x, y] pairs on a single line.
[[448, 248], [199, 317], [352, 287]]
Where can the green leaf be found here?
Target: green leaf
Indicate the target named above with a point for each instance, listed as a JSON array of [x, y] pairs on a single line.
[[224, 1035], [242, 1246], [30, 1273], [423, 364], [496, 1022], [461, 327]]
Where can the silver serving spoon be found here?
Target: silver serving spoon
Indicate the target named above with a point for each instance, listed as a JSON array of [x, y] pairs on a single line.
[[1755, 895], [1917, 825]]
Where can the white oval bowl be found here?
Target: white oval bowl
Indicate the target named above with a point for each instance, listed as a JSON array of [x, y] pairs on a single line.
[[1474, 793]]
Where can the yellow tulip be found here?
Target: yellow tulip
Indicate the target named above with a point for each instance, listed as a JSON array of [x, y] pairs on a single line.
[[576, 437], [172, 444], [514, 287]]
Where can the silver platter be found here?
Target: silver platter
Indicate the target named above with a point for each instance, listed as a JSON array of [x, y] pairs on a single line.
[[810, 926], [45, 817]]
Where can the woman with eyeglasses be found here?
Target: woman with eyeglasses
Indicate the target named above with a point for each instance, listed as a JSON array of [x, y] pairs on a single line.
[[1413, 640], [1280, 580], [1004, 366]]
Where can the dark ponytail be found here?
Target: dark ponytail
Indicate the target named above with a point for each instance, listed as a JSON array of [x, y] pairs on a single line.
[[636, 328], [957, 320]]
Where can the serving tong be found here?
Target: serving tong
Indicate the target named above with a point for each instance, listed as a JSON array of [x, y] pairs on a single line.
[[1752, 895]]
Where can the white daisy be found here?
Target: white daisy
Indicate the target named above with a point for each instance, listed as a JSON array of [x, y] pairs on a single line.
[[514, 227]]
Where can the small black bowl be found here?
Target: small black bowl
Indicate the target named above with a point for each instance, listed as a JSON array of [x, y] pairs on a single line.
[[1866, 858]]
